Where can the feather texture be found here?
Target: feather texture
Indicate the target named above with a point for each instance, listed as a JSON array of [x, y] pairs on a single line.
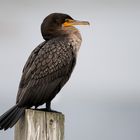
[[46, 71]]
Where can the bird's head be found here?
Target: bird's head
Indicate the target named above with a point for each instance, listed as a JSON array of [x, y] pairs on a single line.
[[57, 24]]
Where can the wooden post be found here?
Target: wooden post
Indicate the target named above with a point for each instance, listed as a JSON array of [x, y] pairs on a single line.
[[40, 125]]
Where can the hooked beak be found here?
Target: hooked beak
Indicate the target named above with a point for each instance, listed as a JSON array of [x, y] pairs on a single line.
[[75, 22]]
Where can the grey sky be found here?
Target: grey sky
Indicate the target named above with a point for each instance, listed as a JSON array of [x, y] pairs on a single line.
[[106, 81]]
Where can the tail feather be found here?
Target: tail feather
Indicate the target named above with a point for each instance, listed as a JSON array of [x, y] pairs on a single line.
[[6, 113], [13, 116], [9, 118], [20, 113]]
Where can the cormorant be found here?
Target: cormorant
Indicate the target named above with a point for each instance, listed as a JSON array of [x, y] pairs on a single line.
[[48, 67]]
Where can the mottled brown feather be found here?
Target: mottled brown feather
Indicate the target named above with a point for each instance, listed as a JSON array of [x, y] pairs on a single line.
[[46, 71]]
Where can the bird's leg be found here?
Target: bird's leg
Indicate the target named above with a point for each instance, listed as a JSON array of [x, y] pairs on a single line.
[[48, 108], [36, 107]]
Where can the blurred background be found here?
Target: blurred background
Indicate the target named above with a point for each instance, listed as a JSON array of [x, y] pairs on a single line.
[[102, 99]]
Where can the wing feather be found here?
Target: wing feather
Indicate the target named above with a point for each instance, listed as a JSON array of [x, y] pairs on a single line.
[[47, 69]]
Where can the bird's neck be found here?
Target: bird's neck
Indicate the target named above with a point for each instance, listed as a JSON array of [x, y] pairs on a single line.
[[62, 32], [75, 38]]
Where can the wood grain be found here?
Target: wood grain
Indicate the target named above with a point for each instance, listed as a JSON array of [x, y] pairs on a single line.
[[40, 125]]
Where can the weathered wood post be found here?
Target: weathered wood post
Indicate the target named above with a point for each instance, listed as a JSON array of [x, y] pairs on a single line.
[[40, 125]]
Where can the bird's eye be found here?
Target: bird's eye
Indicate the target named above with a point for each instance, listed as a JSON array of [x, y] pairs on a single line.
[[66, 20]]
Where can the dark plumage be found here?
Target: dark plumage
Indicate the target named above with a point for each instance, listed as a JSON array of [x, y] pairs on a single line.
[[48, 68]]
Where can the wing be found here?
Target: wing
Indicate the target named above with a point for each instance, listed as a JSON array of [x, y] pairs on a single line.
[[46, 71], [32, 57], [28, 65]]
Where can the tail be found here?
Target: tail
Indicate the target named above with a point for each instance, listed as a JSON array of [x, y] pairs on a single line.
[[9, 118]]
